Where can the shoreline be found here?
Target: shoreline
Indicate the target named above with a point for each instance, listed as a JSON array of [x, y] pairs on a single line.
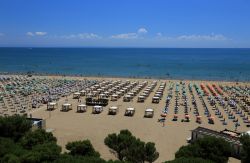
[[120, 77]]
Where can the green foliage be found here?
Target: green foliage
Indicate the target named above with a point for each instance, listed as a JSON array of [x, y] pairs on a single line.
[[245, 141], [48, 151], [212, 148], [135, 153], [8, 146], [192, 150], [150, 152], [141, 152], [65, 158], [10, 158], [189, 160], [19, 144], [14, 127], [30, 157], [120, 143], [128, 148], [43, 152], [82, 148], [117, 161], [33, 138]]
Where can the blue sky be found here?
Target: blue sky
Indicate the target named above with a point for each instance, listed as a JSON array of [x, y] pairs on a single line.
[[125, 23]]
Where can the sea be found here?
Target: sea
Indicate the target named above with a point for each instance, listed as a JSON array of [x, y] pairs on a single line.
[[163, 63]]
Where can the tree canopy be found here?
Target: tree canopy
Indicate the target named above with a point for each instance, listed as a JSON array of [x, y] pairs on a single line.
[[245, 153], [210, 148], [8, 146], [42, 153], [66, 158], [33, 138], [189, 160], [82, 148], [128, 148], [14, 127]]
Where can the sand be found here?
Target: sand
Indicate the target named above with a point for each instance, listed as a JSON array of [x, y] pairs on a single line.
[[71, 126]]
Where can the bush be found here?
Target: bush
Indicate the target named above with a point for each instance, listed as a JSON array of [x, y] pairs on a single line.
[[82, 148]]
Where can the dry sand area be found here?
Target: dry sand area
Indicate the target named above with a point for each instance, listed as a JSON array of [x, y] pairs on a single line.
[[71, 126]]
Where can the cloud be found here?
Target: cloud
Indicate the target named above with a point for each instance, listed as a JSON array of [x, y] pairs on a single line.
[[142, 31], [159, 34], [82, 36], [41, 33], [36, 33], [125, 36], [211, 37], [193, 37], [89, 36], [29, 34], [132, 35]]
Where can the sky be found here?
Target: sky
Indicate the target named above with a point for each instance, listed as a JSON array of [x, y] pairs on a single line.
[[125, 23]]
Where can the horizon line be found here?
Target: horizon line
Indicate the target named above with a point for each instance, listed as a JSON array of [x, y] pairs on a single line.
[[127, 47]]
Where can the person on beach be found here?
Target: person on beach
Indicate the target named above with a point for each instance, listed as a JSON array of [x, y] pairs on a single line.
[[162, 120], [236, 126]]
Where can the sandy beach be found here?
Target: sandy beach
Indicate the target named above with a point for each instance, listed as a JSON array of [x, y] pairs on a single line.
[[71, 126], [175, 74]]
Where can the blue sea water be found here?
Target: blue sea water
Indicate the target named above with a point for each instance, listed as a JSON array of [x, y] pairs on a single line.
[[171, 63]]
